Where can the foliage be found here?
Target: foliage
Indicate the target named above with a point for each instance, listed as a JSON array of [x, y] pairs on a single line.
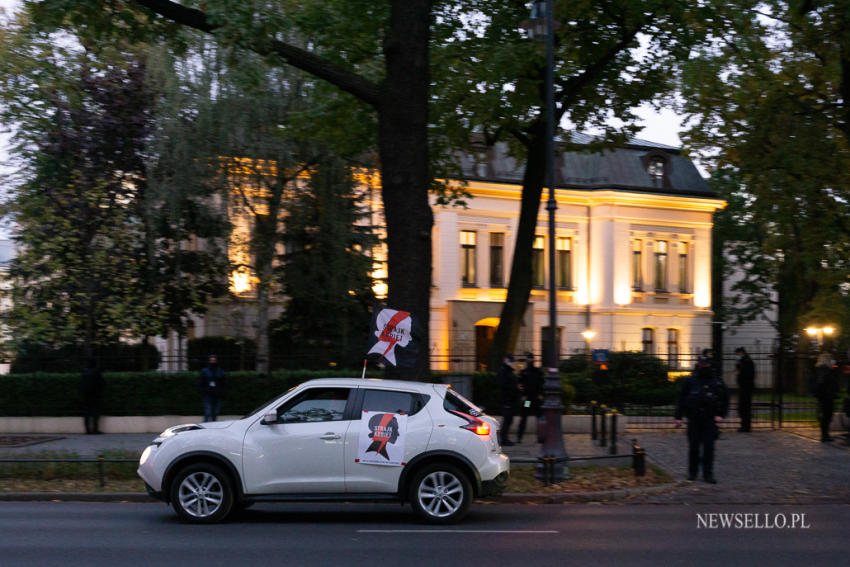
[[147, 393], [775, 86], [120, 357], [631, 378], [232, 353], [325, 272]]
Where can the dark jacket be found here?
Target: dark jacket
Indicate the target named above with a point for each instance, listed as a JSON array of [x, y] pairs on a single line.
[[508, 385], [531, 379], [91, 384], [212, 381], [826, 382], [746, 373], [703, 396]]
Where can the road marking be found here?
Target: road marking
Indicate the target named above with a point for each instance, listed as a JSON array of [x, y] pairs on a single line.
[[457, 531]]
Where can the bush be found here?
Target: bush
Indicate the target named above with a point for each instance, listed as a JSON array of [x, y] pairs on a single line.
[[631, 378], [146, 393], [119, 357], [233, 353]]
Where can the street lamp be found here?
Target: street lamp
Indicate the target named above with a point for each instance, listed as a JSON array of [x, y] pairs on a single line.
[[588, 335], [818, 333], [552, 455]]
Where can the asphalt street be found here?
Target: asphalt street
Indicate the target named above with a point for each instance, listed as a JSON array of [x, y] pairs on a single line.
[[99, 534]]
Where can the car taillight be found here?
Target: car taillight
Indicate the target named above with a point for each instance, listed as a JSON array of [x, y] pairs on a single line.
[[477, 426]]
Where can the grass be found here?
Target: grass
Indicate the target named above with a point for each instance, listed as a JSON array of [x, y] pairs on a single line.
[[586, 478]]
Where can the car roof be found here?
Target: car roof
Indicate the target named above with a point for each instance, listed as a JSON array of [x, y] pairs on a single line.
[[375, 382]]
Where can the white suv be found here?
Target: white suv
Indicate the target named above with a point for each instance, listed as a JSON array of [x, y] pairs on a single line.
[[334, 439]]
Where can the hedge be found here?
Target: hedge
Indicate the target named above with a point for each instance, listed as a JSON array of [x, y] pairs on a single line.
[[146, 393]]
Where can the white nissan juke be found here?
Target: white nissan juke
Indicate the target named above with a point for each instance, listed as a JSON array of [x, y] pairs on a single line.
[[343, 439]]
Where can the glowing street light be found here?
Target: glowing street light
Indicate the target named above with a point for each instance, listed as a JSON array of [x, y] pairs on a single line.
[[818, 333]]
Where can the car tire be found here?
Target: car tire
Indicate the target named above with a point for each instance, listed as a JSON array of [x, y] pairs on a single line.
[[202, 493], [440, 493]]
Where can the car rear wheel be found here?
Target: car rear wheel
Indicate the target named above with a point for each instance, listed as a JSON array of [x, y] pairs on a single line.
[[202, 494], [441, 494]]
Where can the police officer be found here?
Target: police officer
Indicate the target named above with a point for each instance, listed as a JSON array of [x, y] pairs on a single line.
[[825, 389], [531, 390], [745, 370], [704, 401], [509, 396]]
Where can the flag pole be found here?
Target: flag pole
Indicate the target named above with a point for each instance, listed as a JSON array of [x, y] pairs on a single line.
[[363, 376]]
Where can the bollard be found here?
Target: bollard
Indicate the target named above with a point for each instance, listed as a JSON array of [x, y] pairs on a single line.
[[638, 459], [100, 471], [613, 449], [603, 432], [593, 420]]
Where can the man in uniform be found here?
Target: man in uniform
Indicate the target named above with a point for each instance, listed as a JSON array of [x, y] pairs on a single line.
[[745, 371], [704, 401], [531, 390], [509, 396]]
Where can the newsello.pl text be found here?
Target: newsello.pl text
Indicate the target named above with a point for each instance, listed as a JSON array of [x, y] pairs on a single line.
[[751, 521]]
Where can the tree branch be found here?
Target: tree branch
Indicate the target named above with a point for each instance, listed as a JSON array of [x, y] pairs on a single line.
[[352, 83]]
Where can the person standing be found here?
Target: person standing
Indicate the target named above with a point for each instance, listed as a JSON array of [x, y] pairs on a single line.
[[825, 389], [704, 401], [91, 388], [213, 387], [509, 396], [531, 384], [745, 372]]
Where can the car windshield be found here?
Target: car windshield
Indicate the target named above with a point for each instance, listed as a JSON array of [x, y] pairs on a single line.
[[261, 406]]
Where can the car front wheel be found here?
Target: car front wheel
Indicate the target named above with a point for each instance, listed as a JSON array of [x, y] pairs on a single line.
[[441, 494], [202, 494]]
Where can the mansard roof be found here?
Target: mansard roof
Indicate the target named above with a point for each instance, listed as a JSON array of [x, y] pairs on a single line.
[[623, 168]]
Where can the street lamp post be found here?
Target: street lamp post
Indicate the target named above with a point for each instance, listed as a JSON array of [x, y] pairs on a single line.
[[818, 333], [553, 455]]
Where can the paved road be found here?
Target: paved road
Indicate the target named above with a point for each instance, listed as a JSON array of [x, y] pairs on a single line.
[[69, 534]]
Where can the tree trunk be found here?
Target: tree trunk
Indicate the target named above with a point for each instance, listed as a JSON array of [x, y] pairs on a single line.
[[405, 172], [519, 286]]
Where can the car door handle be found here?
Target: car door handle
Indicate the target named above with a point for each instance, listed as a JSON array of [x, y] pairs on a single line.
[[330, 436]]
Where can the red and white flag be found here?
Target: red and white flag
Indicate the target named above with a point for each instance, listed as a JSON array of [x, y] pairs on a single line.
[[393, 336]]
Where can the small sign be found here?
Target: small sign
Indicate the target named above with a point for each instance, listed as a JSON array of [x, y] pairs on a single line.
[[382, 437], [600, 356]]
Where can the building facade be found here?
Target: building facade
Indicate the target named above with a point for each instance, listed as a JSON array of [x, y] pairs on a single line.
[[633, 257]]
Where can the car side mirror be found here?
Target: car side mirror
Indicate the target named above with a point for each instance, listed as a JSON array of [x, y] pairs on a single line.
[[269, 419]]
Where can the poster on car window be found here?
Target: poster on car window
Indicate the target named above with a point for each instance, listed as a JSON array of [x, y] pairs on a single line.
[[381, 439]]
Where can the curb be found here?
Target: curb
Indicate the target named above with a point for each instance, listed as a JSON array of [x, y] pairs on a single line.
[[76, 497], [508, 498]]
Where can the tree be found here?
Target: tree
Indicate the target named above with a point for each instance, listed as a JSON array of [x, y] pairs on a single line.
[[325, 270], [610, 57], [394, 82], [769, 113], [83, 117]]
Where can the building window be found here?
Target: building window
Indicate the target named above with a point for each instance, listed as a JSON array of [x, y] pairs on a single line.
[[497, 259], [661, 265], [637, 272], [684, 284], [647, 340], [673, 348], [538, 274], [563, 251], [467, 257], [655, 169]]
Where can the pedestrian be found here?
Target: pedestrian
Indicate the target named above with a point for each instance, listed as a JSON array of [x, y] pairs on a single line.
[[825, 389], [509, 396], [745, 373], [91, 388], [704, 401], [531, 385], [213, 387]]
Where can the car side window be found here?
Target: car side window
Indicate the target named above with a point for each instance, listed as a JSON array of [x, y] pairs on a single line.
[[393, 402], [315, 404]]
